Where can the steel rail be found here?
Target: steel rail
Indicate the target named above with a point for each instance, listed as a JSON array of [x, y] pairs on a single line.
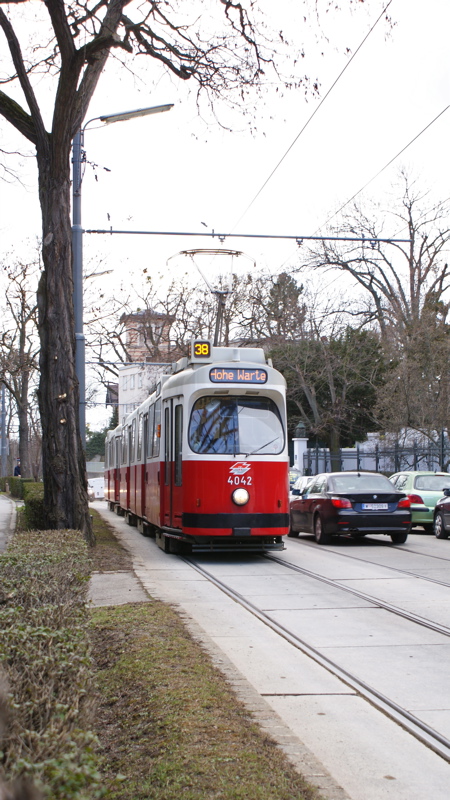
[[420, 730]]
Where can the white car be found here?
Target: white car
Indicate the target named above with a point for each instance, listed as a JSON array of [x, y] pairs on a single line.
[[96, 488]]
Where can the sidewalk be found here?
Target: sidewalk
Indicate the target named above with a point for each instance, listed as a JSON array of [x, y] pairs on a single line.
[[7, 520]]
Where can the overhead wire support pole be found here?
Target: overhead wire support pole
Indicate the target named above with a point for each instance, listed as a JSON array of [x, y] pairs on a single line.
[[222, 236], [78, 161]]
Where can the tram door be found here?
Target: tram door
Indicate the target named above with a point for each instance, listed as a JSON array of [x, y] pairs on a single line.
[[173, 472], [142, 461]]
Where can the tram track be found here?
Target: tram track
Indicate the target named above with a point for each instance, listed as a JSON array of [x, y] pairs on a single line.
[[401, 549], [434, 626], [401, 716]]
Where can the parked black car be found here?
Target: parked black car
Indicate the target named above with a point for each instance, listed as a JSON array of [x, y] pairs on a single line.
[[351, 503], [441, 522]]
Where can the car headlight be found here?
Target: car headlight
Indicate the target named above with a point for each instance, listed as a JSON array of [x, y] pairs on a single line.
[[240, 497]]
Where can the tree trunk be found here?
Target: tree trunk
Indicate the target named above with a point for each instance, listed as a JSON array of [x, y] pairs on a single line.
[[63, 460], [335, 450], [24, 432]]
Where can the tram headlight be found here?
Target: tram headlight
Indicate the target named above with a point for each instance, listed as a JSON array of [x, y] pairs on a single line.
[[240, 497]]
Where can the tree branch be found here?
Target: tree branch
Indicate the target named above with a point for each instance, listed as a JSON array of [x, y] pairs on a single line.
[[16, 54]]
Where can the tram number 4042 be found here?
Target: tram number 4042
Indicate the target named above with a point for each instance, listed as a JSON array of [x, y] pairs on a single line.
[[240, 480]]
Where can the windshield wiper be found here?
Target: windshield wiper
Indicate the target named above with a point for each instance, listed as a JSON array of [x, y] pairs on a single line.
[[261, 448]]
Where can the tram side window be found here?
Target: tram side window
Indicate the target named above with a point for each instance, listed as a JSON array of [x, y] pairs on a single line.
[[144, 437], [151, 423], [124, 446], [178, 444], [157, 428], [117, 449], [167, 433], [139, 438], [107, 455]]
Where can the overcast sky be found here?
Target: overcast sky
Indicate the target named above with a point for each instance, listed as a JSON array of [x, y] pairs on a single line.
[[174, 171]]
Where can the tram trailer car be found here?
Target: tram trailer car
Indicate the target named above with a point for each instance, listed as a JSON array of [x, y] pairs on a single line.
[[204, 461]]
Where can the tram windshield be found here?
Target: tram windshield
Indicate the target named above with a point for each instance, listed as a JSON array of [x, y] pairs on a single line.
[[232, 425]]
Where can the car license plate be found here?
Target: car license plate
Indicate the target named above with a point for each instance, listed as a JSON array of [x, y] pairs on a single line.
[[374, 506]]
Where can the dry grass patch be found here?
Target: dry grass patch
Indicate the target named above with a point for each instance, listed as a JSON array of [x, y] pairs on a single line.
[[169, 723], [108, 554]]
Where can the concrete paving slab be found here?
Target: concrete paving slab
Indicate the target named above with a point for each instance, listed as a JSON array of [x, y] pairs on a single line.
[[439, 720], [403, 590], [340, 567], [250, 585], [115, 589], [424, 685], [362, 749], [440, 614], [342, 627], [249, 566], [333, 598]]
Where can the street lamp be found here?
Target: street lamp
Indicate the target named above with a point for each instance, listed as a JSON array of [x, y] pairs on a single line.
[[78, 158]]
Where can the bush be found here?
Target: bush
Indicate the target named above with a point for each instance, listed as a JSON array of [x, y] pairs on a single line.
[[45, 655], [33, 496]]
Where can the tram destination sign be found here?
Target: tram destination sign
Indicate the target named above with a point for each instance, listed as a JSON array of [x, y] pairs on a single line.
[[237, 375]]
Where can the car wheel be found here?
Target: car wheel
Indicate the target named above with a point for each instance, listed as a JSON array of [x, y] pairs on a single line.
[[319, 534], [399, 538], [291, 529], [439, 527]]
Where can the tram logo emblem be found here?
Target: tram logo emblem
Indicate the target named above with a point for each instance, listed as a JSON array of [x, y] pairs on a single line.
[[240, 468]]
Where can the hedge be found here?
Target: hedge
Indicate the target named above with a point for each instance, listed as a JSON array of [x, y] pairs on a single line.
[[46, 665]]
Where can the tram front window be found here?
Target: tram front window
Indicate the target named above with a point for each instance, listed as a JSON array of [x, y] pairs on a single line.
[[232, 425]]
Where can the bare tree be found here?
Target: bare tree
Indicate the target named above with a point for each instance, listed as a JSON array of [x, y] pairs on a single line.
[[224, 53], [398, 279], [156, 322], [19, 347], [405, 297]]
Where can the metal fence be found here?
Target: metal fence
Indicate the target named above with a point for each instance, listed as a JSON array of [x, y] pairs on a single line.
[[379, 458]]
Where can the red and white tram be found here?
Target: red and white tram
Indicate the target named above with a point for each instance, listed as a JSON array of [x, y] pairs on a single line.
[[204, 460]]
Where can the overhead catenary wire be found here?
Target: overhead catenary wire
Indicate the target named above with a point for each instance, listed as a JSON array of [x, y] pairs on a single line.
[[391, 161], [312, 115]]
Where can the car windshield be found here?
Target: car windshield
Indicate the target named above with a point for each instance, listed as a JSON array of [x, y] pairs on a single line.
[[236, 425], [432, 483], [360, 483]]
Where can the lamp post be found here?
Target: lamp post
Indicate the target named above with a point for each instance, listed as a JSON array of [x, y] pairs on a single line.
[[78, 159]]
